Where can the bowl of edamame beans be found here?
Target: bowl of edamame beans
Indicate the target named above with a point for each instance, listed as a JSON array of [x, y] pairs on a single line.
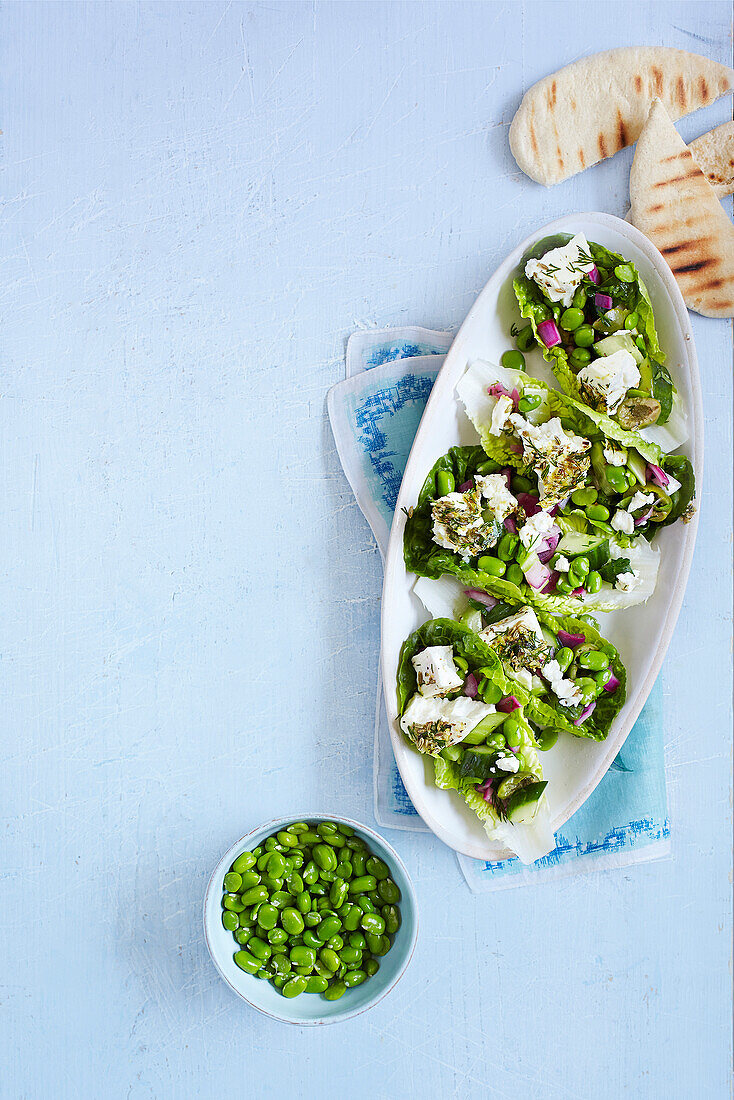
[[311, 919]]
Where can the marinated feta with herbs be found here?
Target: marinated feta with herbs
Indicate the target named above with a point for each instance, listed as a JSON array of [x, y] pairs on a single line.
[[562, 564], [614, 455], [627, 581], [519, 643], [560, 459], [507, 764], [459, 524], [436, 672], [432, 722], [605, 381], [500, 500], [559, 272], [640, 501], [568, 694]]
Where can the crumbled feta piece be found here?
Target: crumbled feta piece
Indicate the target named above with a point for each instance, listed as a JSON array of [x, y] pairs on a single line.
[[560, 271], [562, 564], [501, 411], [640, 501], [627, 581], [435, 670], [432, 722], [535, 529], [673, 486], [609, 378], [624, 522], [614, 455], [568, 694], [493, 488], [559, 458], [508, 763], [459, 524]]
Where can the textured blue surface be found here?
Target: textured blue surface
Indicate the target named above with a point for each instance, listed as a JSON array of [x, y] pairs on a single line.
[[201, 202]]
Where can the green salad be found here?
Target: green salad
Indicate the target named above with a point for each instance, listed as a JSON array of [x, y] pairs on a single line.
[[592, 316]]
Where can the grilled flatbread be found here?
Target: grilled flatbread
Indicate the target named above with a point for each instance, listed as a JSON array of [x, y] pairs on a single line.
[[594, 107], [676, 207], [714, 155]]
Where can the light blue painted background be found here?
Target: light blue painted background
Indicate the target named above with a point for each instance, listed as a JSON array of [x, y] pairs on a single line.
[[201, 202]]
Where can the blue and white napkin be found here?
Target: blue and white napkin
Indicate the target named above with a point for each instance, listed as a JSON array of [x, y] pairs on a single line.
[[374, 415]]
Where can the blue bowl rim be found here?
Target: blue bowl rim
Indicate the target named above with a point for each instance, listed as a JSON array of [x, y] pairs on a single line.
[[271, 826]]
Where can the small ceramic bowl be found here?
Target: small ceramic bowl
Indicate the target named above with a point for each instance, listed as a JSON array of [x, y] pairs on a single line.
[[311, 1008]]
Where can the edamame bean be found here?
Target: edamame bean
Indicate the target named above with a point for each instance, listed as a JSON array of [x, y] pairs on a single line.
[[391, 917], [282, 964], [579, 298], [546, 739], [515, 574], [352, 919], [564, 657], [445, 483], [350, 956], [493, 566], [312, 918], [615, 477], [363, 884], [588, 688], [593, 581], [303, 956], [572, 318], [335, 943], [371, 967], [330, 959], [325, 857], [294, 987], [247, 962], [259, 948], [238, 902], [303, 903], [594, 659], [511, 730], [335, 991], [373, 924], [267, 917], [506, 547], [580, 356], [584, 337], [382, 947], [316, 984], [631, 320], [292, 921], [245, 862], [232, 881], [624, 273], [527, 404], [310, 873], [230, 920], [598, 511], [242, 935], [525, 338], [585, 496], [277, 936], [354, 977], [389, 891], [521, 484], [344, 867], [513, 360], [328, 928], [338, 892], [365, 905]]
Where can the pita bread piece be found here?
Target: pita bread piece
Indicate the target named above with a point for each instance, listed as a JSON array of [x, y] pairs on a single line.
[[714, 155], [594, 107], [676, 207]]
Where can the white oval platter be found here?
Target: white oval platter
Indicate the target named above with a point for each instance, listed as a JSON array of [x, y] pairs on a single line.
[[642, 634]]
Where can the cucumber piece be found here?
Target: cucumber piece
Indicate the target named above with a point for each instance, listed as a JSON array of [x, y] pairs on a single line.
[[637, 465], [522, 806], [645, 376], [620, 341], [576, 542], [478, 763], [452, 753], [485, 728], [599, 555]]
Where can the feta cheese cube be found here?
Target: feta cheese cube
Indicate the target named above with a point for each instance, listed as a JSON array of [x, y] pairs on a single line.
[[627, 581], [500, 413], [559, 272], [562, 564], [607, 379], [624, 522], [509, 639], [493, 488], [640, 501], [459, 524], [435, 670], [525, 618], [508, 764], [559, 458], [614, 454], [432, 722]]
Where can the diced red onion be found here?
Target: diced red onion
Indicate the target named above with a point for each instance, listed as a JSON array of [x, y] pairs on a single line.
[[643, 518], [497, 390], [549, 542], [507, 474], [580, 591], [481, 596], [530, 503], [585, 714], [538, 575], [570, 641], [510, 524], [594, 275], [549, 334], [465, 487], [658, 475], [551, 585], [603, 302], [471, 686], [515, 398], [612, 683], [508, 704]]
